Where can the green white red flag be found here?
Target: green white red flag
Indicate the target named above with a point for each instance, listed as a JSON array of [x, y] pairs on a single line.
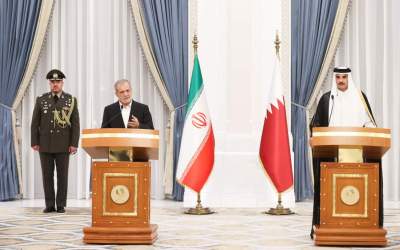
[[196, 157]]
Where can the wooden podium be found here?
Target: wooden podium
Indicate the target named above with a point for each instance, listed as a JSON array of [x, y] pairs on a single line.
[[121, 189], [349, 187]]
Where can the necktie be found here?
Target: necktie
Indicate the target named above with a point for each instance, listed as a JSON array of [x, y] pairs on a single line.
[[55, 98]]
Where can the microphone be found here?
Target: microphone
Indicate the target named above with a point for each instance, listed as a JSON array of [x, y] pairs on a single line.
[[108, 122], [333, 104]]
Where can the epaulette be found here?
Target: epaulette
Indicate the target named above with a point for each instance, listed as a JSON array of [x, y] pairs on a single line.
[[44, 95]]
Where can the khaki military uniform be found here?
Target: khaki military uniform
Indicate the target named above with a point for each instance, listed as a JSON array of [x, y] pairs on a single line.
[[55, 127]]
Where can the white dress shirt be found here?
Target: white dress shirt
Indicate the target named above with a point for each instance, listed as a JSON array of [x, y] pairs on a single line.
[[125, 111]]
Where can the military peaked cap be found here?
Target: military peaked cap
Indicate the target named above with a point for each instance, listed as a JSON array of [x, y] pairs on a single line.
[[55, 74]]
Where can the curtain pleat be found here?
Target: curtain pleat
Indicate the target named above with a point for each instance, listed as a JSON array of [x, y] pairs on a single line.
[[370, 47], [94, 42], [18, 23], [166, 24], [312, 23]]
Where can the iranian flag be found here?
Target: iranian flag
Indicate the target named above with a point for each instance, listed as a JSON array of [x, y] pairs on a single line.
[[196, 157], [274, 146]]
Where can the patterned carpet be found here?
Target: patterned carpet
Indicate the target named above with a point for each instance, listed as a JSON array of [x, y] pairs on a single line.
[[29, 228]]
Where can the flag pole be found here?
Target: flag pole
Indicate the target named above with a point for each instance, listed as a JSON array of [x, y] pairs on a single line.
[[199, 209], [279, 209]]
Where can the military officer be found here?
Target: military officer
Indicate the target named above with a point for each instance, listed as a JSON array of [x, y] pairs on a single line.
[[55, 135]]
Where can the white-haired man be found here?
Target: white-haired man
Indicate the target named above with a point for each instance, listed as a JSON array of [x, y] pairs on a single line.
[[126, 113]]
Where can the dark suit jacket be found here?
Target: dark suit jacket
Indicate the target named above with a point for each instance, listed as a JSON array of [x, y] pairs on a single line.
[[112, 117]]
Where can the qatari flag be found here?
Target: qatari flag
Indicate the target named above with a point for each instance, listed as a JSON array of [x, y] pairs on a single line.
[[274, 146]]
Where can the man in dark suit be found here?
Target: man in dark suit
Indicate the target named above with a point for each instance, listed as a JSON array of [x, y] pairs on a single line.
[[126, 113], [55, 134]]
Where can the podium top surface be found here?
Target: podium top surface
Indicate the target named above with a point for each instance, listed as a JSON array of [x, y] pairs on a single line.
[[97, 142], [118, 132], [374, 141]]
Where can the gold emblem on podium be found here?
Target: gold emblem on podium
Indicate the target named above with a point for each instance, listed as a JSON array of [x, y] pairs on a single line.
[[350, 195], [119, 194]]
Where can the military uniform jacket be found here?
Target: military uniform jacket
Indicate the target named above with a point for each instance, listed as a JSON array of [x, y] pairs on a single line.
[[55, 125]]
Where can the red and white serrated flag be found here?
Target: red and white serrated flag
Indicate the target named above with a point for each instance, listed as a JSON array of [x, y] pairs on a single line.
[[196, 157], [274, 146]]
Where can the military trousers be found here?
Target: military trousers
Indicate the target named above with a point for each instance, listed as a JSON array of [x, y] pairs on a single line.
[[49, 162]]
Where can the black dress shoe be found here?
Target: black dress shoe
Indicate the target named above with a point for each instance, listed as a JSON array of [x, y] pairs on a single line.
[[49, 210], [60, 210]]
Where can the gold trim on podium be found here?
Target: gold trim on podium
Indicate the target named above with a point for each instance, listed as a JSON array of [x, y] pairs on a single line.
[[106, 194], [352, 154], [334, 197], [351, 134], [120, 187], [349, 188], [120, 154], [120, 135]]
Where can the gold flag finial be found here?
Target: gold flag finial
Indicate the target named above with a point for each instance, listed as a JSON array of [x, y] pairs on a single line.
[[195, 43], [277, 43]]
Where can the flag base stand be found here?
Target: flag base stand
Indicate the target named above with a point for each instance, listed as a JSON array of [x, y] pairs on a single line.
[[199, 209], [279, 210]]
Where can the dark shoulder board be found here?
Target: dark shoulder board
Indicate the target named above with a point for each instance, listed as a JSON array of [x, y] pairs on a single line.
[[44, 96], [67, 95]]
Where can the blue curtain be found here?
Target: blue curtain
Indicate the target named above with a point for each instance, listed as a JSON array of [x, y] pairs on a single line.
[[167, 25], [18, 21], [312, 23]]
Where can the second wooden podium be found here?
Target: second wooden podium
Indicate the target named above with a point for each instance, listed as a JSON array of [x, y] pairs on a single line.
[[121, 189], [349, 193]]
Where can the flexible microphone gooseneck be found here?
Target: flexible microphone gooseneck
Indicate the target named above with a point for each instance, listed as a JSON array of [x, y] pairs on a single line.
[[113, 118], [330, 113]]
